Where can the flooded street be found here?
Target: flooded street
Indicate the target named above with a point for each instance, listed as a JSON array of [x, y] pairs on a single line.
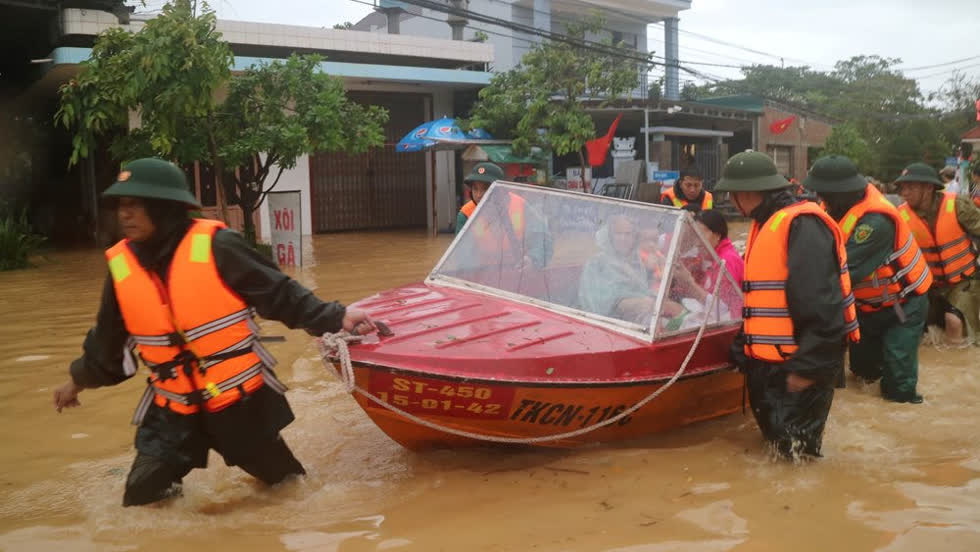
[[895, 477]]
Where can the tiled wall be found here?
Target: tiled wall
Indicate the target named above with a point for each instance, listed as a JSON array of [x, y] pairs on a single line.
[[92, 22]]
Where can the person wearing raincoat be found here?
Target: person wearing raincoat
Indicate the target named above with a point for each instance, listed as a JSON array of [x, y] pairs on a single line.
[[622, 280]]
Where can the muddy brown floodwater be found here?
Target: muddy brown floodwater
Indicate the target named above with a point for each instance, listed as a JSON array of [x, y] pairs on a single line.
[[895, 477]]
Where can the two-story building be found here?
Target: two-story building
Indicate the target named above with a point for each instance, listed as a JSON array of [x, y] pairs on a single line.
[[416, 78], [625, 20]]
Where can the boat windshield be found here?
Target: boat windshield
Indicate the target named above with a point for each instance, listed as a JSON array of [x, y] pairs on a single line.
[[636, 267]]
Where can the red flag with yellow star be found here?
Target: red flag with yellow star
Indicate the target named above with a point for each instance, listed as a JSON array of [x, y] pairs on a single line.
[[780, 126]]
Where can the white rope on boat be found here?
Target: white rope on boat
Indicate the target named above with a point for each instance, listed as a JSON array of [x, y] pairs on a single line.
[[337, 345]]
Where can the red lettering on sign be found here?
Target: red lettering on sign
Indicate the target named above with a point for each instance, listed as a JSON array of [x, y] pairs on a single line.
[[285, 220], [442, 398]]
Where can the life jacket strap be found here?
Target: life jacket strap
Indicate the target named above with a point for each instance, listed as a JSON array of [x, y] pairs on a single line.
[[763, 285], [764, 312]]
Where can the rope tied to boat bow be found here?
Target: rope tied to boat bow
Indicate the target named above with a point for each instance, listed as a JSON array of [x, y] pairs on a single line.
[[336, 345]]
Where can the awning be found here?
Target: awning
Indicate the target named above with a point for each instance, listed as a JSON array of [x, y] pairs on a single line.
[[502, 154]]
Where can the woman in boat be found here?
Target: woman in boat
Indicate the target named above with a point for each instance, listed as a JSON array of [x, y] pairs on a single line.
[[714, 227], [616, 282]]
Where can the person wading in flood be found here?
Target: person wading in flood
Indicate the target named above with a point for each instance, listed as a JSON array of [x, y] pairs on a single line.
[[799, 311], [180, 295], [890, 275], [944, 225]]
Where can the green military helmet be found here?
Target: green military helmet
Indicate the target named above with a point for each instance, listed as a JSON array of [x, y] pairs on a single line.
[[750, 171], [485, 172], [834, 173], [920, 172], [153, 178]]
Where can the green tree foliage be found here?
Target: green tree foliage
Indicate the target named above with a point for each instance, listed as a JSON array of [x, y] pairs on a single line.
[[278, 112], [879, 105], [167, 74], [958, 97], [539, 102], [17, 240], [847, 141], [173, 73]]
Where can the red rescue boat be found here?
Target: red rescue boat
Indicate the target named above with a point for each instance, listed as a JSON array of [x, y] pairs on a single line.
[[550, 318]]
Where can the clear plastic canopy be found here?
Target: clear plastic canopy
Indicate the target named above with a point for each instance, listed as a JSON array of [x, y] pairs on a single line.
[[639, 268]]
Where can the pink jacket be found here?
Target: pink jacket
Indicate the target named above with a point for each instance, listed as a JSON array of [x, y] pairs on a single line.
[[733, 261]]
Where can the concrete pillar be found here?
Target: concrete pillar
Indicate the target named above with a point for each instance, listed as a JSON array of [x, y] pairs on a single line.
[[394, 21], [672, 87], [456, 22], [542, 15], [392, 11]]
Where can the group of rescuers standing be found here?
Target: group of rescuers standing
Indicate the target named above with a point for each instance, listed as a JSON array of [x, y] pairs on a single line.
[[181, 294]]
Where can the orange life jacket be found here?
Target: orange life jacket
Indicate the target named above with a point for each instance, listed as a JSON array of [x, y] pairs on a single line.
[[468, 208], [948, 250], [903, 273], [769, 331], [194, 333], [501, 240], [706, 203]]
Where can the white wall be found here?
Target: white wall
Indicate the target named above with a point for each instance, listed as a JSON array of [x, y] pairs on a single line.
[[446, 207], [295, 179]]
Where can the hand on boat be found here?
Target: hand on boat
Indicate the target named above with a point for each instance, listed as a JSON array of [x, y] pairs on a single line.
[[66, 396], [796, 383], [358, 322]]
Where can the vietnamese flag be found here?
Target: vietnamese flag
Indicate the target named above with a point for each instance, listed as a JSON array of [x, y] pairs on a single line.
[[978, 110], [780, 126], [598, 148]]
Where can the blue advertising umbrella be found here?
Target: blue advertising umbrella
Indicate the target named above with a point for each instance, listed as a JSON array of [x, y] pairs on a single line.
[[441, 133]]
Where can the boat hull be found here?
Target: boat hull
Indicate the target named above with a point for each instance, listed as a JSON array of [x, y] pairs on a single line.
[[522, 410]]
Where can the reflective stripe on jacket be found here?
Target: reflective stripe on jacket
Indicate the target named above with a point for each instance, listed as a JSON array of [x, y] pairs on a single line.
[[196, 335], [768, 328], [706, 203], [903, 273], [948, 250]]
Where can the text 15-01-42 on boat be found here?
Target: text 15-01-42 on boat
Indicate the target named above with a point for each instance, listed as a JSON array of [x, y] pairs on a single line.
[[554, 319]]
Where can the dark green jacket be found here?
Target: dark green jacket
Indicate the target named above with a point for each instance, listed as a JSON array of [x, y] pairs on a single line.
[[864, 257], [255, 278]]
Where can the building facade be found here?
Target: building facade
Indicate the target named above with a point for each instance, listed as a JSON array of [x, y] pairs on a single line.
[[625, 20], [785, 133], [415, 78]]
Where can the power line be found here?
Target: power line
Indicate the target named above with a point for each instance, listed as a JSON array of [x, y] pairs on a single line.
[[745, 48], [632, 17], [558, 37], [606, 50], [954, 62], [948, 71]]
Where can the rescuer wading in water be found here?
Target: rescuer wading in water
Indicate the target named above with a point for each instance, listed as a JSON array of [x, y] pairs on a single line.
[[180, 296]]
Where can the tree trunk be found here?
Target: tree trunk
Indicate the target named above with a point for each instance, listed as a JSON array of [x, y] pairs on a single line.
[[586, 174], [219, 170], [247, 200]]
